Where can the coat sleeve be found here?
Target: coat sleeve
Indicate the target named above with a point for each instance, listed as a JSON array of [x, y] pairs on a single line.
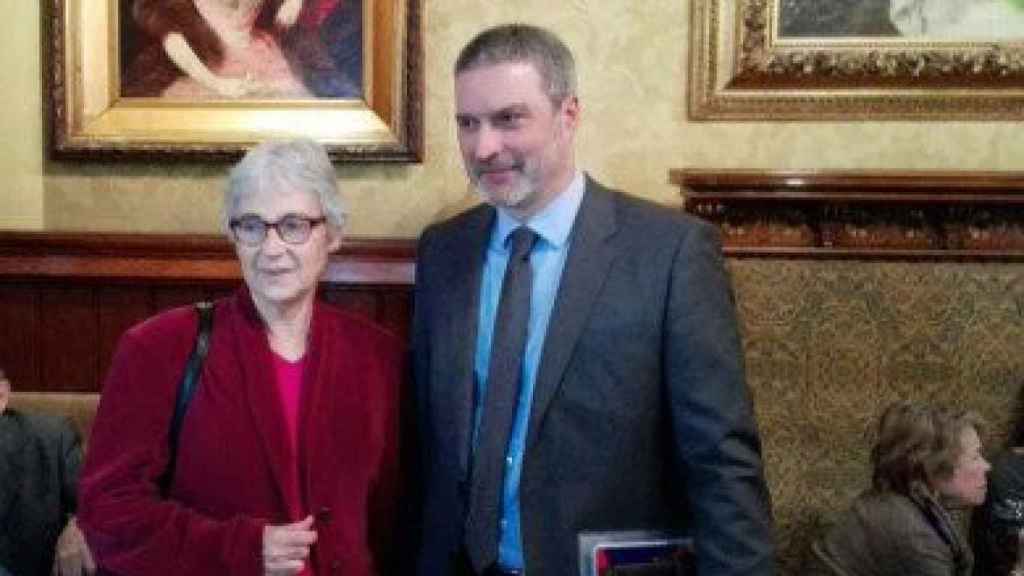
[[715, 432], [71, 463], [127, 524]]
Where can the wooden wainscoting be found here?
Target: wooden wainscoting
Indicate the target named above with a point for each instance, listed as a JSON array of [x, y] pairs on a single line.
[[66, 298]]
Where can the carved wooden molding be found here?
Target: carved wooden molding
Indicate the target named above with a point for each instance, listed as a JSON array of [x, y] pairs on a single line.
[[742, 67], [197, 258], [910, 215], [989, 62]]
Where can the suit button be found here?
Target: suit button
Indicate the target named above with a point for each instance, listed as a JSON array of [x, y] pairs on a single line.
[[335, 567], [323, 516]]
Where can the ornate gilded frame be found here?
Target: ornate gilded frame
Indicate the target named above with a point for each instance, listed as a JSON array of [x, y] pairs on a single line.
[[90, 121], [741, 69]]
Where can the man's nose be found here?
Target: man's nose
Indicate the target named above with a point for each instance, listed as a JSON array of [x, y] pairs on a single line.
[[487, 145]]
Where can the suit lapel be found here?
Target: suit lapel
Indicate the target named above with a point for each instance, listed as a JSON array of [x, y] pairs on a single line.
[[586, 267], [461, 280]]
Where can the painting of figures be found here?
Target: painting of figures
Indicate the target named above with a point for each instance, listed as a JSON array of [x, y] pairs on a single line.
[[198, 50], [927, 20]]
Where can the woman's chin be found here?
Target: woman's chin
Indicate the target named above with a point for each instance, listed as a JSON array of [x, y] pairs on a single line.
[[279, 296]]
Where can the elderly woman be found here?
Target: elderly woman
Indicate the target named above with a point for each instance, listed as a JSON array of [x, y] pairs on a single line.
[[924, 460], [287, 457]]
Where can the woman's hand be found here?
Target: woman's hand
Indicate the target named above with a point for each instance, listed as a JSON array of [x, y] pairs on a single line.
[[72, 557], [286, 547]]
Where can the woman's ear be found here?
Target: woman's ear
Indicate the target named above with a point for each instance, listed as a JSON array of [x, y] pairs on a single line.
[[334, 237]]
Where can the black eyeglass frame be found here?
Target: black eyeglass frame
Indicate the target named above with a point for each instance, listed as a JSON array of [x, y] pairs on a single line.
[[311, 223]]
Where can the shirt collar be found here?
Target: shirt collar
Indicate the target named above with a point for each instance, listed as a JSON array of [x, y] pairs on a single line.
[[553, 223]]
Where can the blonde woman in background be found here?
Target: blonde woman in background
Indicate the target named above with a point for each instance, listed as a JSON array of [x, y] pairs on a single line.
[[925, 460]]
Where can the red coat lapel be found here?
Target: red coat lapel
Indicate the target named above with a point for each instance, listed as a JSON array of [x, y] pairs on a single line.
[[252, 355]]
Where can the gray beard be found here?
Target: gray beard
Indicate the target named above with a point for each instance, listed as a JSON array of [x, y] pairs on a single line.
[[507, 199]]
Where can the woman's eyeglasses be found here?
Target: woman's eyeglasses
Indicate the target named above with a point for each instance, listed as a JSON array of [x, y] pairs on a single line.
[[251, 230]]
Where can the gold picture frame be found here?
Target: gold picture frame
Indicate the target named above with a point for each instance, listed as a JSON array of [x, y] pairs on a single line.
[[743, 68], [91, 120]]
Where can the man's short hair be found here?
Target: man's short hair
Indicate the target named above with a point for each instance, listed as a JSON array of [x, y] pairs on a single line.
[[519, 42]]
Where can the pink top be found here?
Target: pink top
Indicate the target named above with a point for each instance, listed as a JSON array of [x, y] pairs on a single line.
[[289, 387]]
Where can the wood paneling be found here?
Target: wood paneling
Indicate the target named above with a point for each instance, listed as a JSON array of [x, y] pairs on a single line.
[[65, 299], [69, 337], [19, 332]]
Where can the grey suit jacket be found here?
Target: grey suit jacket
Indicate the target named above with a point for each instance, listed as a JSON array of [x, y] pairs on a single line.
[[888, 534], [39, 460], [641, 417]]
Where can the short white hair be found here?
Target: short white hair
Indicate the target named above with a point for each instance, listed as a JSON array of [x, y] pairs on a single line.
[[301, 164]]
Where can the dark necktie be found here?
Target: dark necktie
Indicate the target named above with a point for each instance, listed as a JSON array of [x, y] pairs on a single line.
[[500, 403]]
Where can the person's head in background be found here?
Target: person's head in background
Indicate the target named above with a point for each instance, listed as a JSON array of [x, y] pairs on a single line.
[[926, 451]]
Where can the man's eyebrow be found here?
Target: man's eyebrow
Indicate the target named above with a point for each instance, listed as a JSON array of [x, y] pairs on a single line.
[[510, 109]]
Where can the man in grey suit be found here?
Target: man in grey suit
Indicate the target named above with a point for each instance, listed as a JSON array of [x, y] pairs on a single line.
[[628, 406], [39, 460]]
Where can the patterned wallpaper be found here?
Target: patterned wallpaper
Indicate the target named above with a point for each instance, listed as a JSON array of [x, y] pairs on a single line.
[[830, 343]]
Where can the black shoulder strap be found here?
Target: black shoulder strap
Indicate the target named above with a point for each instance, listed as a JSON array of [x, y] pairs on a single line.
[[187, 387]]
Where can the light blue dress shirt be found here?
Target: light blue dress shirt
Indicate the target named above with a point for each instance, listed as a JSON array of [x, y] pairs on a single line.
[[553, 225]]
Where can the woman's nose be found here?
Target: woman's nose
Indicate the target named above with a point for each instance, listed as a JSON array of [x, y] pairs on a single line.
[[272, 242]]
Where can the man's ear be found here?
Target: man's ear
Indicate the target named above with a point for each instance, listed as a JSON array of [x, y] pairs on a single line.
[[570, 112]]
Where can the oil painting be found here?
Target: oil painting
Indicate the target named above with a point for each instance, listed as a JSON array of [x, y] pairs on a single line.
[[207, 79], [936, 60], [969, 20]]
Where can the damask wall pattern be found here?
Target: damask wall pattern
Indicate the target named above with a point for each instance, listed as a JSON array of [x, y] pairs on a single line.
[[830, 343]]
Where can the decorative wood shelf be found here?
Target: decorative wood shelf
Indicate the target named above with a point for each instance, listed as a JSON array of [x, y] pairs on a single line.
[[904, 215]]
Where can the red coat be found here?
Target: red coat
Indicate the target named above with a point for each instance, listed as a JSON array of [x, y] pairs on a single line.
[[233, 449]]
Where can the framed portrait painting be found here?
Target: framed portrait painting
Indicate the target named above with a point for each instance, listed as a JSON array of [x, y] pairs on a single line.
[[856, 59], [209, 78]]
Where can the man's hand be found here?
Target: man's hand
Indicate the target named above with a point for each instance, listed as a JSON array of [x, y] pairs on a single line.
[[286, 547], [72, 557]]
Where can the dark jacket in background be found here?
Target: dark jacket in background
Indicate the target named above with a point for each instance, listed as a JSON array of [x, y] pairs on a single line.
[[39, 460], [996, 524]]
